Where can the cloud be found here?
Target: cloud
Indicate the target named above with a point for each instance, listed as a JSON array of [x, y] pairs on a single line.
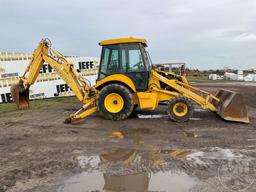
[[245, 37], [193, 31], [237, 35]]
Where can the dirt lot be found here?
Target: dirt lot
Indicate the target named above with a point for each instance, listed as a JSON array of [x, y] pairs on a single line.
[[146, 152]]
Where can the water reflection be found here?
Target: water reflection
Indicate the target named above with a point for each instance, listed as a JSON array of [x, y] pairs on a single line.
[[129, 170]]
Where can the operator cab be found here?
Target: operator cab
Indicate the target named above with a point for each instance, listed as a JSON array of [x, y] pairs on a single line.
[[125, 56]]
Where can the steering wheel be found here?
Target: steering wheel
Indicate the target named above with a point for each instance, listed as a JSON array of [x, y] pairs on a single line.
[[139, 65]]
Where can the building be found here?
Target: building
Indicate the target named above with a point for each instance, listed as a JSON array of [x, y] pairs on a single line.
[[215, 77], [48, 84], [240, 75], [250, 77]]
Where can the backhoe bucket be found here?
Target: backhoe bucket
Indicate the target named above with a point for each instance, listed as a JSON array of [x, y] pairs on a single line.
[[231, 106], [20, 96]]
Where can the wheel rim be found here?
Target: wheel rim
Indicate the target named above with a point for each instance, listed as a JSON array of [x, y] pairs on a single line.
[[180, 109], [114, 102]]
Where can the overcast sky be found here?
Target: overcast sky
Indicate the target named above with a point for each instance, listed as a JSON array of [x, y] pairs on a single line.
[[203, 33]]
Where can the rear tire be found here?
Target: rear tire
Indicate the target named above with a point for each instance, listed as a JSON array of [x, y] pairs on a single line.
[[180, 109], [115, 102]]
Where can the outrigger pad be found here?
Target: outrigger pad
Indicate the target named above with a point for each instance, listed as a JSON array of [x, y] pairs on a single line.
[[231, 106], [20, 96]]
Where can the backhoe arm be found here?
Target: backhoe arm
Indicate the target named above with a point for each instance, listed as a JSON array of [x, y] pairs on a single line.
[[83, 91], [32, 70]]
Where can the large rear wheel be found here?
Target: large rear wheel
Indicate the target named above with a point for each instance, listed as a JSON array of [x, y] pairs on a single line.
[[115, 102], [180, 109]]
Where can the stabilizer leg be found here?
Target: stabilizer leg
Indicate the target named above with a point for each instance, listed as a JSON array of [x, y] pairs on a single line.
[[86, 110]]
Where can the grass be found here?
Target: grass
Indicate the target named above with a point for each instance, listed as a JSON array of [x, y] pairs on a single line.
[[198, 78], [38, 104], [204, 79]]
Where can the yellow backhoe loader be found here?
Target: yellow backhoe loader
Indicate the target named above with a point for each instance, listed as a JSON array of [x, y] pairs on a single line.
[[125, 80]]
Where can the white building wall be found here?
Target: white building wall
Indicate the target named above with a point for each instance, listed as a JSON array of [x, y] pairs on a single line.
[[240, 75], [230, 76], [250, 77], [48, 83]]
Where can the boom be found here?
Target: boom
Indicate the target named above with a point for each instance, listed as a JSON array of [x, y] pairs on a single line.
[[83, 91]]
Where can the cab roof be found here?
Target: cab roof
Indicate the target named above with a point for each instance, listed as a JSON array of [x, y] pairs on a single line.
[[123, 40]]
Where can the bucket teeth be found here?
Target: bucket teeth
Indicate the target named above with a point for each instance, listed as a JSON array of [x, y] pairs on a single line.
[[20, 96], [231, 106]]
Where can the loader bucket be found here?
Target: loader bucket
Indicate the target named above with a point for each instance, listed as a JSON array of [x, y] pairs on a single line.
[[20, 96], [231, 106]]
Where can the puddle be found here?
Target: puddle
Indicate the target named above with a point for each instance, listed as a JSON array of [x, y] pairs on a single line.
[[132, 170], [156, 169], [132, 157], [92, 161], [189, 134], [83, 182], [179, 153], [129, 133], [137, 182], [117, 134], [168, 181]]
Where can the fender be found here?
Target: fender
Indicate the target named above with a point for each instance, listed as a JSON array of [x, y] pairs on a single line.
[[117, 78]]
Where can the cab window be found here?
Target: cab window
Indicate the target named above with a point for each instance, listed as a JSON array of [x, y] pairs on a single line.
[[131, 58], [109, 61]]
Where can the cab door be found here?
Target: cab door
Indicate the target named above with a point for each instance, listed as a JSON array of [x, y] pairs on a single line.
[[133, 65]]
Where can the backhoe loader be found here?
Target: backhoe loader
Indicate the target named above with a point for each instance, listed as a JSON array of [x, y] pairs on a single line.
[[125, 80]]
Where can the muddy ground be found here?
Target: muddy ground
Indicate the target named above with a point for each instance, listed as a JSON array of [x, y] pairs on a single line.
[[151, 153]]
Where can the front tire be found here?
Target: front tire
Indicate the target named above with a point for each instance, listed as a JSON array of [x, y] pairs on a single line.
[[115, 102], [180, 109]]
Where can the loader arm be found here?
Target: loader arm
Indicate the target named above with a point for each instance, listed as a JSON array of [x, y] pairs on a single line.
[[199, 96], [228, 104], [44, 54]]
